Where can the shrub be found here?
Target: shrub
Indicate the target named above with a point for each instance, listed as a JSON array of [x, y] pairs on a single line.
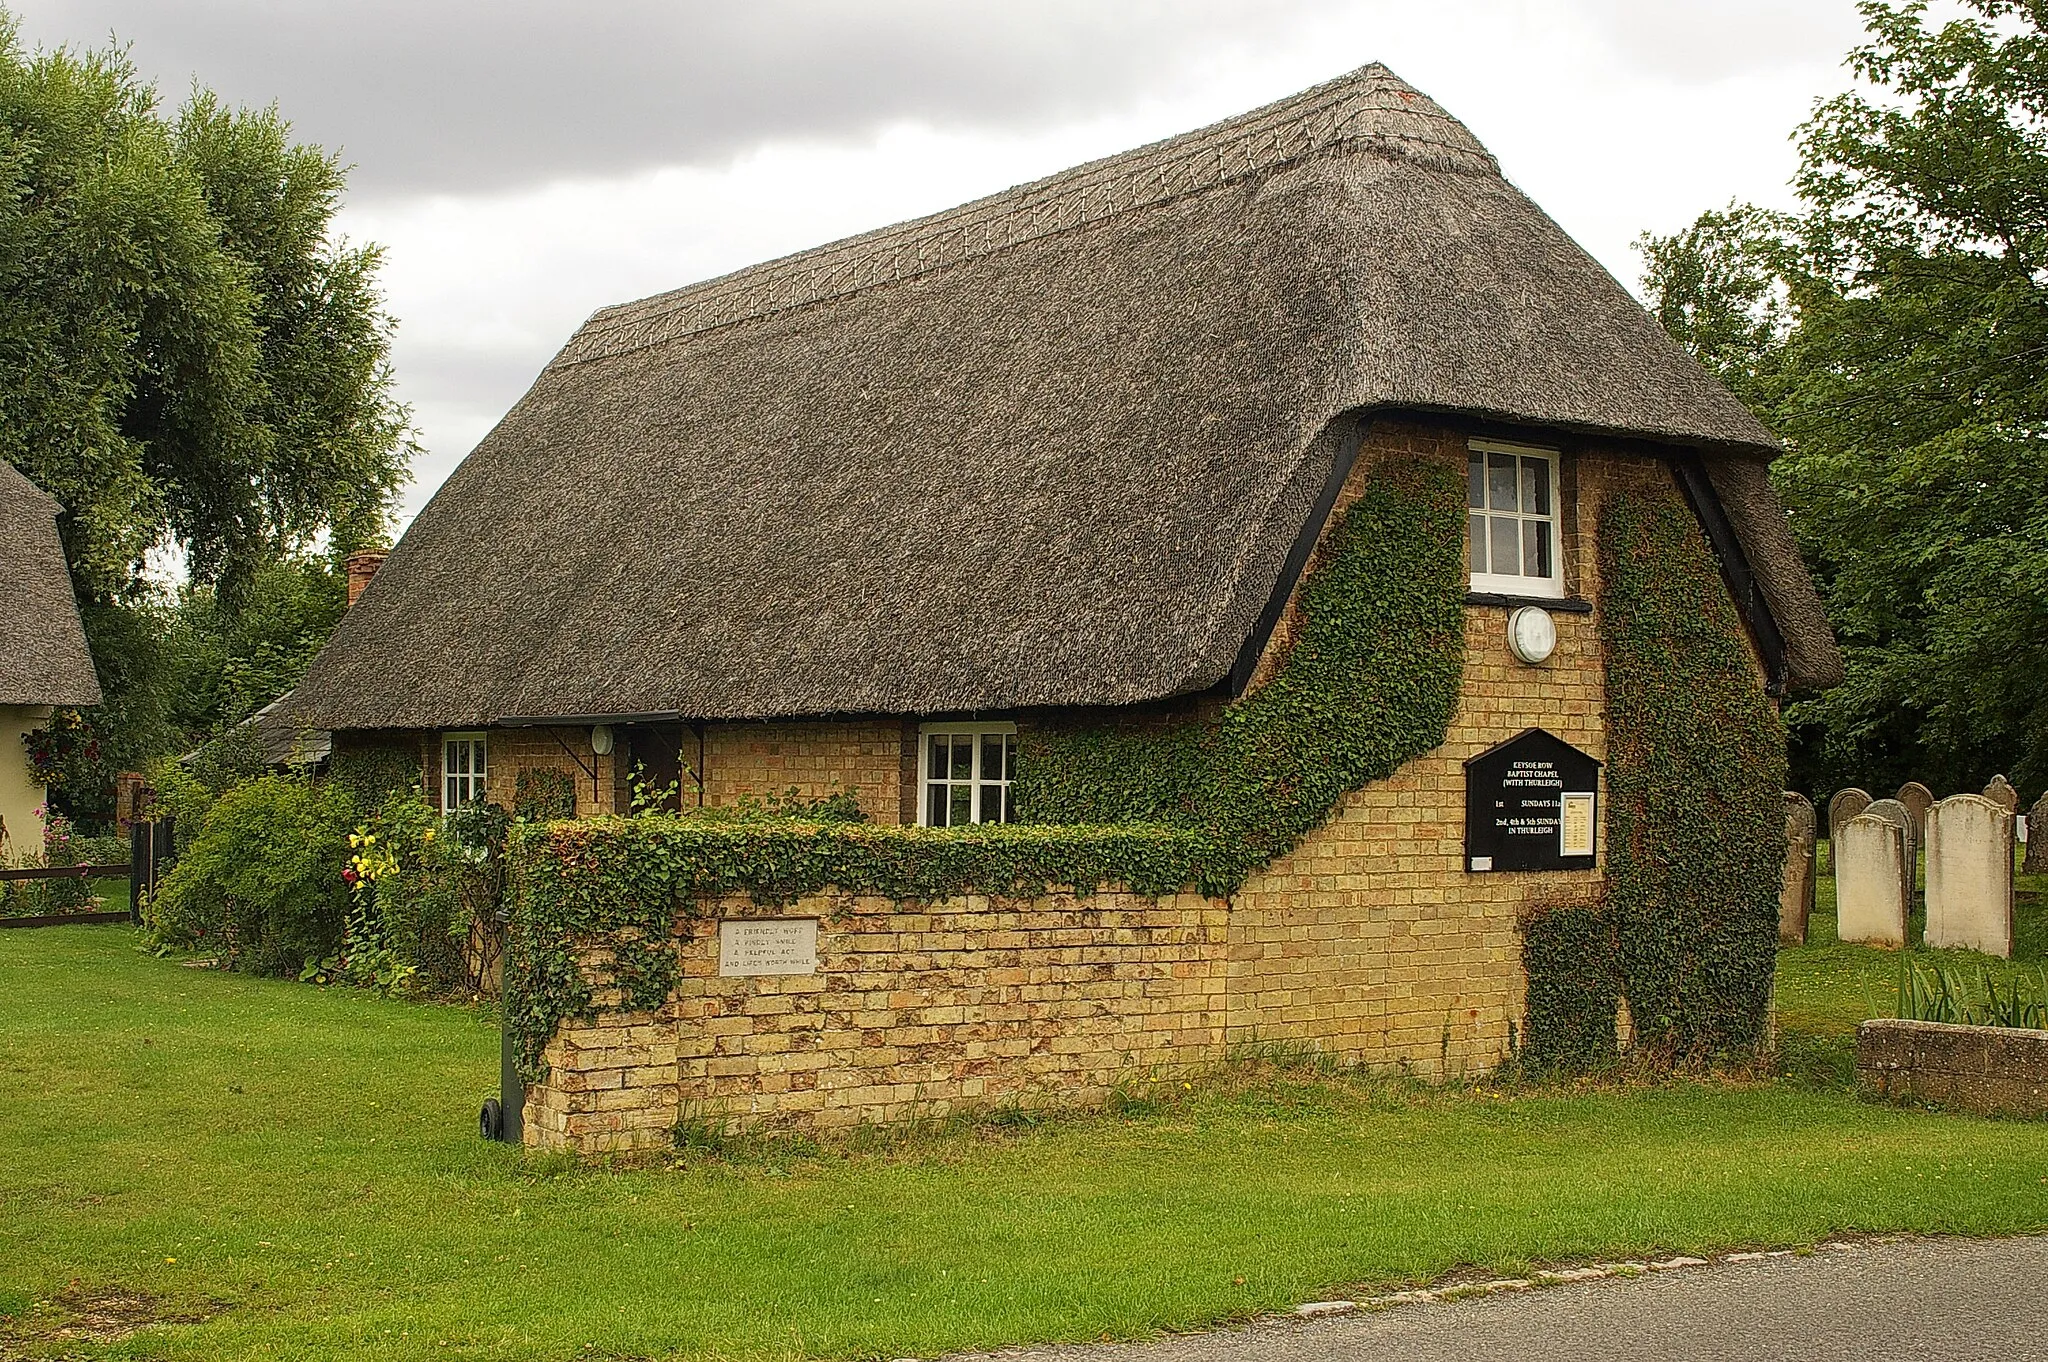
[[260, 882], [422, 914]]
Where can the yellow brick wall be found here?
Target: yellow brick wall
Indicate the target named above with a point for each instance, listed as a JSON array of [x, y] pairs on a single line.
[[914, 1010], [1370, 940], [752, 761]]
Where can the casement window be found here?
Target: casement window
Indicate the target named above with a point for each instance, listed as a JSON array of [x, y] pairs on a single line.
[[1511, 500], [966, 771], [464, 766]]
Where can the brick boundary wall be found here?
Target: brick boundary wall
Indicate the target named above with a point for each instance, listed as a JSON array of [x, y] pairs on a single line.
[[914, 1010], [1989, 1070]]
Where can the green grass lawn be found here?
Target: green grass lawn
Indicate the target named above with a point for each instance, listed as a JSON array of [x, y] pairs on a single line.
[[293, 1173]]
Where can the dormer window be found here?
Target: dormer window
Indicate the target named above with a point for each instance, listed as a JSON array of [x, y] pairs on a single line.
[[1511, 505]]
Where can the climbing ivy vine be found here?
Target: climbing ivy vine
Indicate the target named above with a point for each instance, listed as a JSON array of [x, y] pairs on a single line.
[[1695, 781]]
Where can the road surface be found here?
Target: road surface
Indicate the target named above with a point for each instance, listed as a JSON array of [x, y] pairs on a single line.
[[1897, 1301]]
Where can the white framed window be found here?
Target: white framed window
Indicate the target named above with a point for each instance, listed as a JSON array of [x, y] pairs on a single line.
[[465, 765], [1511, 504], [965, 771]]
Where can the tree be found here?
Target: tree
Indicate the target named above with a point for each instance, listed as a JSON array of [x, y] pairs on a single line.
[[189, 359], [1895, 334]]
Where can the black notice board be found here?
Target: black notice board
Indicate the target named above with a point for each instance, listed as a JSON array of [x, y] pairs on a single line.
[[1532, 803]]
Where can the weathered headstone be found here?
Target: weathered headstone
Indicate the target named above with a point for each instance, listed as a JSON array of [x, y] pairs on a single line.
[[1870, 906], [2000, 791], [1844, 806], [1795, 895], [1892, 811], [1918, 799], [1969, 875], [2037, 838]]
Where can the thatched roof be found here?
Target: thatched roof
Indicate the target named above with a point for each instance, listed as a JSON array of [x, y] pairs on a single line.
[[1050, 448], [43, 657]]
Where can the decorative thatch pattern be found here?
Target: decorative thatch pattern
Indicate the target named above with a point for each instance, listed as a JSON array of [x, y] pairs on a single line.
[[43, 657], [1047, 449]]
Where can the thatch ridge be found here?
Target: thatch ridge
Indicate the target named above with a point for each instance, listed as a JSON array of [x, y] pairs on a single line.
[[1371, 108], [43, 655], [1047, 449]]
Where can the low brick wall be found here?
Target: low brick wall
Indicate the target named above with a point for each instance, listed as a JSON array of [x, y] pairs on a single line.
[[912, 1011], [1990, 1070]]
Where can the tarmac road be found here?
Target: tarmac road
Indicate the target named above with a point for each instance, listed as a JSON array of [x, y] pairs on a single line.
[[1898, 1301]]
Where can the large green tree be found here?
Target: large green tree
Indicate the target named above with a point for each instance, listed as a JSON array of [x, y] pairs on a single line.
[[1895, 332], [191, 360]]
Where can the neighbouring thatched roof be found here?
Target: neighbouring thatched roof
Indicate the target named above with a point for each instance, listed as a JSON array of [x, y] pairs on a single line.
[[1050, 448], [43, 657]]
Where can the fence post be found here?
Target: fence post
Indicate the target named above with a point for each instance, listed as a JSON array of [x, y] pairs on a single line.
[[138, 865]]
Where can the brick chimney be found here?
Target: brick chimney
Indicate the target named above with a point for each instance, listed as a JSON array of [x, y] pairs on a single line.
[[362, 565]]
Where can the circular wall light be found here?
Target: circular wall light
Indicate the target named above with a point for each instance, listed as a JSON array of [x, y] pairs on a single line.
[[1532, 634], [601, 740]]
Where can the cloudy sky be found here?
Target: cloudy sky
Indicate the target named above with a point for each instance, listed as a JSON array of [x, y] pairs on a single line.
[[524, 162]]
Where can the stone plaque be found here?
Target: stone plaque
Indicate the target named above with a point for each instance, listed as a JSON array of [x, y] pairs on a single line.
[[781, 945], [1532, 803]]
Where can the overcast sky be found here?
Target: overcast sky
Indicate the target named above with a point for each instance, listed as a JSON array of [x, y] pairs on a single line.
[[524, 162]]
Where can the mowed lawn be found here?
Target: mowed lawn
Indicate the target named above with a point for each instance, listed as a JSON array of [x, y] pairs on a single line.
[[294, 1173]]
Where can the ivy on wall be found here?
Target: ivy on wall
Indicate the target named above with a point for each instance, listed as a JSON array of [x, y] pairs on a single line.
[[1369, 683], [1695, 775], [1574, 991]]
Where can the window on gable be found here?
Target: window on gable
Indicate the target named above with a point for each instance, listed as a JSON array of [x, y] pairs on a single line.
[[464, 766], [1511, 504], [966, 770]]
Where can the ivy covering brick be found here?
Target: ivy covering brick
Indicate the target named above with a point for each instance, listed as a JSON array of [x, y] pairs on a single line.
[[1369, 683], [1695, 781], [1574, 991]]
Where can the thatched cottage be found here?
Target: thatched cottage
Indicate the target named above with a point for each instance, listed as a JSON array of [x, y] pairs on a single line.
[[901, 515], [44, 663]]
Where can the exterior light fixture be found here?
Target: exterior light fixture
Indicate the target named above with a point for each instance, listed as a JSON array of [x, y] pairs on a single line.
[[1532, 634], [601, 739]]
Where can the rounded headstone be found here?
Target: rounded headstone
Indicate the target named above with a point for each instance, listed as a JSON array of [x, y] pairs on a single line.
[[1799, 820], [1918, 799], [2000, 791], [1844, 806], [1969, 875], [1872, 899], [2037, 838], [1899, 816]]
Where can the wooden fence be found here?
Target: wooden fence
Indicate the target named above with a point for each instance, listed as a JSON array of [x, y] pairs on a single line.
[[149, 856]]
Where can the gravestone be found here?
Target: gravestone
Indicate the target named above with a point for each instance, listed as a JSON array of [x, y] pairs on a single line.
[[2037, 838], [1918, 799], [2000, 791], [1870, 902], [1531, 803], [1795, 894], [1892, 811], [1969, 875], [1844, 806]]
